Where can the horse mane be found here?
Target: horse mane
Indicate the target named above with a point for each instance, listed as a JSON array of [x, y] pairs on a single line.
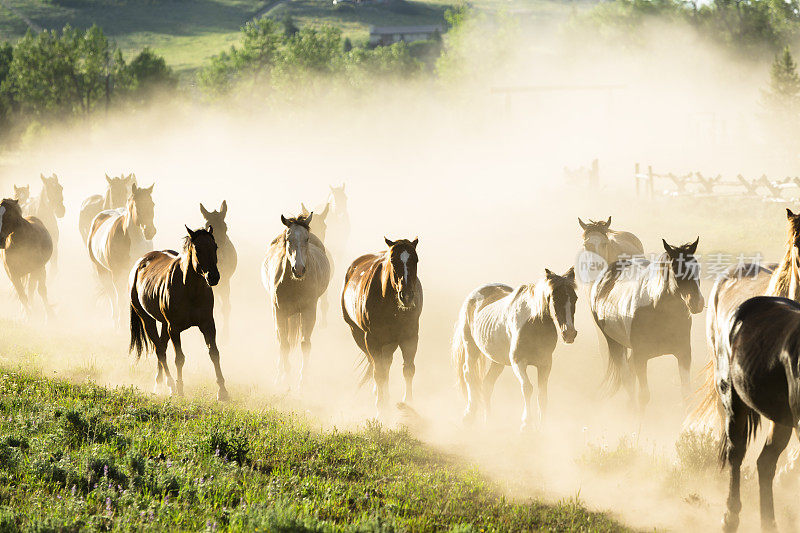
[[541, 290], [660, 279], [12, 205], [781, 281], [598, 226], [300, 220]]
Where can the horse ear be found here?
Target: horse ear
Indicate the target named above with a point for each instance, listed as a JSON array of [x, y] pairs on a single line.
[[583, 226], [190, 232], [667, 248], [108, 179], [134, 188], [211, 230], [388, 242], [44, 180], [343, 186], [415, 242], [331, 188], [789, 214], [693, 247], [223, 209], [570, 274], [303, 209], [204, 211], [548, 273], [308, 218], [284, 221], [150, 188], [608, 223]]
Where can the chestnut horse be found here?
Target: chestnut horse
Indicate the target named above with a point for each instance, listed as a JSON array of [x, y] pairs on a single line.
[[382, 302], [48, 206], [175, 290], [512, 327], [295, 273], [26, 247], [226, 259], [117, 238], [117, 192]]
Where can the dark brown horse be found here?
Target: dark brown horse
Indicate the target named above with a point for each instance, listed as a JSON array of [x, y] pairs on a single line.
[[226, 259], [27, 247], [758, 374], [382, 302], [175, 290], [738, 284], [646, 307], [117, 191], [48, 206], [117, 238], [295, 273]]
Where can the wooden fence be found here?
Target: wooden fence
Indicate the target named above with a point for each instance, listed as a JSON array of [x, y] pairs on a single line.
[[583, 176], [698, 185]]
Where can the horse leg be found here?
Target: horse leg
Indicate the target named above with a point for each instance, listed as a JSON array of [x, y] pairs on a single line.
[[308, 317], [324, 305], [282, 330], [160, 343], [21, 294], [521, 371], [472, 378], [225, 300], [41, 283], [409, 350], [640, 366], [209, 330], [777, 439], [735, 448], [120, 282], [381, 362], [488, 385], [175, 337], [684, 358], [543, 375]]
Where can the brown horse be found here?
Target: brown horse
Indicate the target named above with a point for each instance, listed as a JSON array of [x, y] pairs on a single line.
[[27, 247], [382, 302], [226, 259], [175, 290], [117, 238], [117, 192], [738, 284], [758, 374], [295, 273], [48, 206]]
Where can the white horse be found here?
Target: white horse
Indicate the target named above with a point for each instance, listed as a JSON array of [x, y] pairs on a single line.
[[516, 328]]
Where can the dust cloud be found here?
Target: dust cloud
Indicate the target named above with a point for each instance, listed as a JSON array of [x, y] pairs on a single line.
[[478, 175]]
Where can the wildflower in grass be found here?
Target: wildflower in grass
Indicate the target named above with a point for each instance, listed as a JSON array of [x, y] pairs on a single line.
[[108, 504], [105, 470], [73, 491]]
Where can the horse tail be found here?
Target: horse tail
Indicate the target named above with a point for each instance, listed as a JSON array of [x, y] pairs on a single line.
[[462, 338], [140, 342], [364, 367], [708, 412], [616, 366]]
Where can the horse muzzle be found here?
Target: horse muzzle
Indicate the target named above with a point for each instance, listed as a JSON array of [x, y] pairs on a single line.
[[298, 272], [568, 335], [406, 300], [212, 278], [696, 305], [149, 232], [60, 211]]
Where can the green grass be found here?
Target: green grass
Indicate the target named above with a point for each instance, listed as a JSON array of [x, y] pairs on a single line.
[[82, 457]]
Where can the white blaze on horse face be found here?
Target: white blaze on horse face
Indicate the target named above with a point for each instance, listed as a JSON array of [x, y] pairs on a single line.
[[404, 259], [567, 310]]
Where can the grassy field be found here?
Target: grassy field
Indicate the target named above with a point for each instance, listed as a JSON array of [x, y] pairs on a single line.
[[82, 457], [188, 32]]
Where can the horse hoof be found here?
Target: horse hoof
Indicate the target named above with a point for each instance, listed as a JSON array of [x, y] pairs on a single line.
[[223, 396], [730, 523]]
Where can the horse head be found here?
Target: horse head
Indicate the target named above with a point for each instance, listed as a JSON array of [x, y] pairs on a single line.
[[401, 273], [22, 194], [216, 219], [202, 250], [142, 209], [296, 243], [118, 190], [55, 194], [339, 197], [794, 227], [686, 271], [562, 297], [10, 217], [319, 227], [595, 236]]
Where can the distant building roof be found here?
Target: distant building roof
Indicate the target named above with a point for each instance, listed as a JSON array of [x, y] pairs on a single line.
[[388, 30]]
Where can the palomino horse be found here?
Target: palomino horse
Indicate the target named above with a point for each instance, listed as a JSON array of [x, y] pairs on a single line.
[[27, 247], [117, 192], [516, 328], [117, 238], [175, 290], [382, 303], [226, 259], [646, 307], [758, 374], [48, 206], [604, 246], [295, 273], [738, 284]]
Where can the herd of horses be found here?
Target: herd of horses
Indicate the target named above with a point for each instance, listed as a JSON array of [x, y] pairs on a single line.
[[642, 309]]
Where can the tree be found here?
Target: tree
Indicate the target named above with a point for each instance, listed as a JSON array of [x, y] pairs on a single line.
[[147, 74], [781, 101]]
